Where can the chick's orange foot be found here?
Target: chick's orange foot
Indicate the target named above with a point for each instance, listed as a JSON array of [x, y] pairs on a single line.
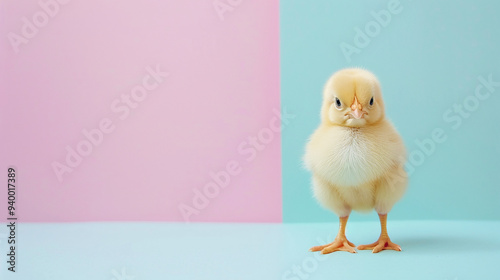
[[339, 244], [383, 243]]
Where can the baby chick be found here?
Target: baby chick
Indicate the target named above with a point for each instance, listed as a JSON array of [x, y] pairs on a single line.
[[356, 156]]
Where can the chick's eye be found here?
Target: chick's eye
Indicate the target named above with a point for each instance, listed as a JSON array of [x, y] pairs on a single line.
[[371, 101], [338, 103]]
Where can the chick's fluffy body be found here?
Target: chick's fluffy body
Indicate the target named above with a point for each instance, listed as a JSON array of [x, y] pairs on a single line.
[[355, 165]]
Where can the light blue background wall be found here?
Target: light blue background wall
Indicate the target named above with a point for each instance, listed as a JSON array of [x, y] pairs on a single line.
[[427, 58]]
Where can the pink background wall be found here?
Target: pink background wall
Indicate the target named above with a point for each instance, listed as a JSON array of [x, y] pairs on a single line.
[[222, 88]]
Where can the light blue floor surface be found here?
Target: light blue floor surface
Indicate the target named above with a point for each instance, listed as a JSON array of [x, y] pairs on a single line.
[[147, 251]]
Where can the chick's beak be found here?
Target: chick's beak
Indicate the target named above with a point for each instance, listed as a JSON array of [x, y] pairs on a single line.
[[357, 109]]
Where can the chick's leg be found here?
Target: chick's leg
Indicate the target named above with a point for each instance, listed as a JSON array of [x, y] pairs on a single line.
[[383, 242], [339, 244]]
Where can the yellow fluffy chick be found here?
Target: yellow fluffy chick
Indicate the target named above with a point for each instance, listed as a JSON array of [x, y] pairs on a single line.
[[356, 156]]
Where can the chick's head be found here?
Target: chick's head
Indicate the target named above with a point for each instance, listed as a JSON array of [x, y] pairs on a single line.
[[352, 97]]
